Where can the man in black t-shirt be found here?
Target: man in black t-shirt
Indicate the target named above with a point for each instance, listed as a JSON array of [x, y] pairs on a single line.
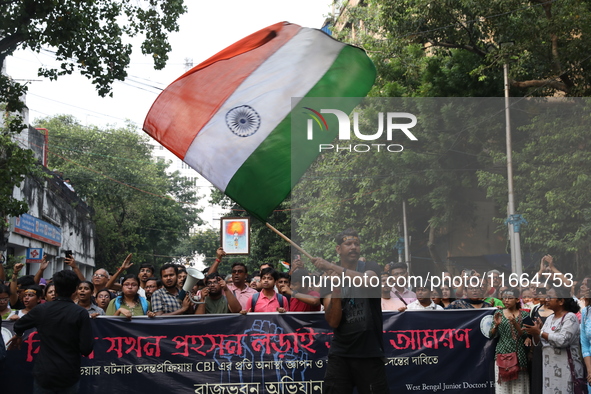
[[352, 307], [65, 334]]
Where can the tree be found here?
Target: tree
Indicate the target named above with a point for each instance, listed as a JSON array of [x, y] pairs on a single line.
[[551, 179], [451, 49], [90, 36], [550, 39], [203, 243], [139, 208]]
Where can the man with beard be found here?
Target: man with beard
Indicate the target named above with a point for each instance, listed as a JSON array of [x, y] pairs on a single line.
[[169, 300], [356, 355], [217, 296]]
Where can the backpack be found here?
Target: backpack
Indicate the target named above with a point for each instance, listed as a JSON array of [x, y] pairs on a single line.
[[143, 302], [255, 298]]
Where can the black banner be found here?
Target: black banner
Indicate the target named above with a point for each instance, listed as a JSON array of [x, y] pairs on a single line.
[[426, 351]]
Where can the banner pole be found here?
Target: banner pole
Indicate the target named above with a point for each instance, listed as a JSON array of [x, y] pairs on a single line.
[[308, 255]]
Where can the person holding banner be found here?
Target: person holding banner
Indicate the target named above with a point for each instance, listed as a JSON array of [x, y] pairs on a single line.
[[511, 375], [169, 300], [356, 355], [130, 303], [84, 293], [217, 296]]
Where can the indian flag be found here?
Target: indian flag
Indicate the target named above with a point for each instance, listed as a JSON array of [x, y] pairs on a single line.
[[230, 119]]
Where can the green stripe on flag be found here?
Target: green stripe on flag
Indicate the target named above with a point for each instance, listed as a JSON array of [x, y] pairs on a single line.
[[266, 177]]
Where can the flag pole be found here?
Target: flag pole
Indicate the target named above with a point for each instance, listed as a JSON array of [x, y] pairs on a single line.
[[308, 255]]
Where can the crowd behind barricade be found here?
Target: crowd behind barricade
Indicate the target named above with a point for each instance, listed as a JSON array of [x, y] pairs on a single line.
[[543, 332]]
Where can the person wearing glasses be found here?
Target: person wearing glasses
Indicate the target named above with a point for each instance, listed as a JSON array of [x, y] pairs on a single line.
[[4, 301], [103, 298], [241, 289], [100, 279], [130, 303], [238, 286], [217, 296], [151, 286], [31, 298], [560, 341]]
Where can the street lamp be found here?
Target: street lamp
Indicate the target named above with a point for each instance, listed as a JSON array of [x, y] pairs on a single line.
[[512, 221]]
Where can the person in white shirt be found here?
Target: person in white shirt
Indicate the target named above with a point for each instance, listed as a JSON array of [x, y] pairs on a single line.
[[423, 301], [400, 294]]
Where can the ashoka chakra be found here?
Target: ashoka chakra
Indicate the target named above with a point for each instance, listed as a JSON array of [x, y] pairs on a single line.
[[243, 121]]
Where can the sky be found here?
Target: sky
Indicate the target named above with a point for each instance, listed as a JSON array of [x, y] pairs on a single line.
[[206, 28]]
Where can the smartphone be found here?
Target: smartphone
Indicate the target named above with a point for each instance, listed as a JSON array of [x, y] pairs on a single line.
[[68, 253]]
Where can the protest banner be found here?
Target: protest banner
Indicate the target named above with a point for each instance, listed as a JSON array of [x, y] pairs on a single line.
[[426, 351]]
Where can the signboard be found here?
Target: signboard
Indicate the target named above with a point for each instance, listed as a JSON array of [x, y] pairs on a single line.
[[34, 255], [31, 227], [268, 353]]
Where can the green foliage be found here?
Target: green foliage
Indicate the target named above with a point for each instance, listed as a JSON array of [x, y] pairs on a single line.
[[551, 179], [425, 48], [550, 39], [435, 175], [87, 35], [90, 35], [204, 242], [139, 208]]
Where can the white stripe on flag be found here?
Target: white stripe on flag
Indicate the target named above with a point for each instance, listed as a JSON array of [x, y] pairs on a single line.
[[292, 71]]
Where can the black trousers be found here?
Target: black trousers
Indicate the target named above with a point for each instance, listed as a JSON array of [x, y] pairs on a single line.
[[345, 373]]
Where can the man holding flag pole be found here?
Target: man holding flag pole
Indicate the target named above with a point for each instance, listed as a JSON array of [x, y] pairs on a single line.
[[356, 355]]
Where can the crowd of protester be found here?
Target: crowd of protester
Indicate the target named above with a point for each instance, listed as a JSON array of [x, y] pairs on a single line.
[[543, 333]]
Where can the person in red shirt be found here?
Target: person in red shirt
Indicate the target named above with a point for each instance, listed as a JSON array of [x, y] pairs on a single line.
[[302, 299], [267, 300]]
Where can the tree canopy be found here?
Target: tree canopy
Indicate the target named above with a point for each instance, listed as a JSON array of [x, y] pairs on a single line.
[[139, 208], [452, 49], [91, 36], [546, 41]]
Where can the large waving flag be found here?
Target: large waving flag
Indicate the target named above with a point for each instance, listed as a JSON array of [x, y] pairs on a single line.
[[229, 118]]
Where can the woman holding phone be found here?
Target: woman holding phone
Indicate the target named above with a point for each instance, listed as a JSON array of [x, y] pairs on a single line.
[[560, 341]]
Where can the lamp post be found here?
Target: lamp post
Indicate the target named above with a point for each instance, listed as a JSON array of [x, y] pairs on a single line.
[[516, 265]]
